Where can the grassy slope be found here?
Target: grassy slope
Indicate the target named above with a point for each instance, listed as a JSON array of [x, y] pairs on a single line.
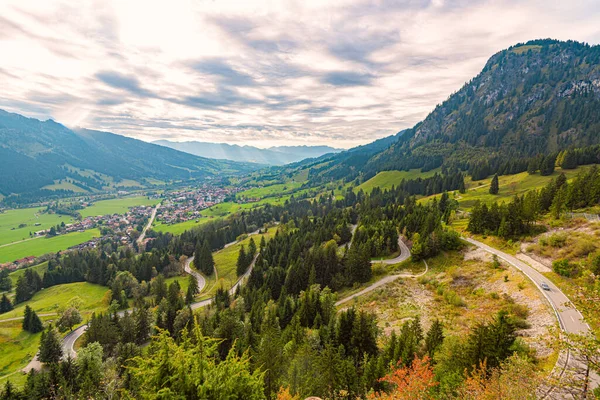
[[387, 179], [18, 347], [266, 191], [509, 185], [40, 246], [226, 260], [40, 269], [116, 206], [65, 186], [30, 216], [179, 228]]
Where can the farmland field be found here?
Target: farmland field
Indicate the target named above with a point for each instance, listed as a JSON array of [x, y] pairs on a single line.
[[29, 216], [116, 206], [39, 246]]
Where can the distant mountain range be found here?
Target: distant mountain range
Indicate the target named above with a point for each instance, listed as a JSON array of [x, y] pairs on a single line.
[[37, 153], [278, 155]]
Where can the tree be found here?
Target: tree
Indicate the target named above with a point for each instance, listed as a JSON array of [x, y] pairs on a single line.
[[414, 382], [569, 160], [68, 318], [251, 249], [52, 231], [5, 304], [242, 262], [494, 185], [434, 338], [31, 321], [90, 371], [50, 347], [5, 281], [189, 368], [203, 259], [192, 289]]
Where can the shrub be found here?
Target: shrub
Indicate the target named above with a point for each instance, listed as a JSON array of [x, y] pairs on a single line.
[[564, 268], [557, 239]]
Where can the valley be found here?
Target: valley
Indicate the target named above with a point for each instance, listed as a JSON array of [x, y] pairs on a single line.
[[457, 259]]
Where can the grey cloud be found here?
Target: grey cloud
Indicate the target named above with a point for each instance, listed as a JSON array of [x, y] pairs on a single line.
[[223, 71], [124, 82], [347, 78]]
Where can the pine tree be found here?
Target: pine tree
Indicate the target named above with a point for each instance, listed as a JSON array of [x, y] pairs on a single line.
[[242, 262], [192, 289], [203, 259], [434, 338], [494, 185], [50, 347], [5, 304], [31, 321]]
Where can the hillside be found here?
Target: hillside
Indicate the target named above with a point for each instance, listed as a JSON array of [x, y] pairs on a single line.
[[278, 155], [536, 98], [40, 153]]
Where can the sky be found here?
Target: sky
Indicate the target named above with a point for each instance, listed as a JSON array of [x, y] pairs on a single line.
[[262, 73]]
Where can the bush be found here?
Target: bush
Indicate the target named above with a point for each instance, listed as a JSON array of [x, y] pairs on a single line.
[[564, 268], [557, 239]]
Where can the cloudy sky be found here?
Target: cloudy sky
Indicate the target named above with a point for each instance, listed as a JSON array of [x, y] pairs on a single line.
[[264, 73]]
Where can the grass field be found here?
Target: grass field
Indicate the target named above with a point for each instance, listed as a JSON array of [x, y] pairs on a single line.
[[50, 300], [387, 179], [40, 246], [226, 260], [65, 186], [227, 208], [40, 269], [116, 206], [509, 186], [29, 216], [177, 229], [17, 348], [266, 191]]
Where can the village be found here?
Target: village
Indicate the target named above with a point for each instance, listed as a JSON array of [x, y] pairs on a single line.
[[175, 207]]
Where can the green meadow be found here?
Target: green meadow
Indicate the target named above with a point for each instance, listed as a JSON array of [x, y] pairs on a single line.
[[179, 228], [116, 206], [226, 260], [509, 186], [11, 219], [387, 179], [39, 246]]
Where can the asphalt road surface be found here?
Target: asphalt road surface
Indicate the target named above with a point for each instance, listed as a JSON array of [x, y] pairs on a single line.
[[569, 366]]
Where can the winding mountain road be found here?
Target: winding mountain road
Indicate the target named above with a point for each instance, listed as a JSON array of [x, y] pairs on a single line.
[[71, 338], [404, 254], [569, 319]]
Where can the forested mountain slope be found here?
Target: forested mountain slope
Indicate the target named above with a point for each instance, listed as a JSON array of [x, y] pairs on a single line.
[[36, 153], [536, 98]]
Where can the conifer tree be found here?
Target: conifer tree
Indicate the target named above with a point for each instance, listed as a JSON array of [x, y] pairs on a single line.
[[50, 347], [31, 321], [494, 185], [203, 259], [5, 304], [242, 262]]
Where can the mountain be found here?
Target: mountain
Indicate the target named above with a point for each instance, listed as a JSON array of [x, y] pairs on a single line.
[[532, 99], [39, 153], [278, 155]]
